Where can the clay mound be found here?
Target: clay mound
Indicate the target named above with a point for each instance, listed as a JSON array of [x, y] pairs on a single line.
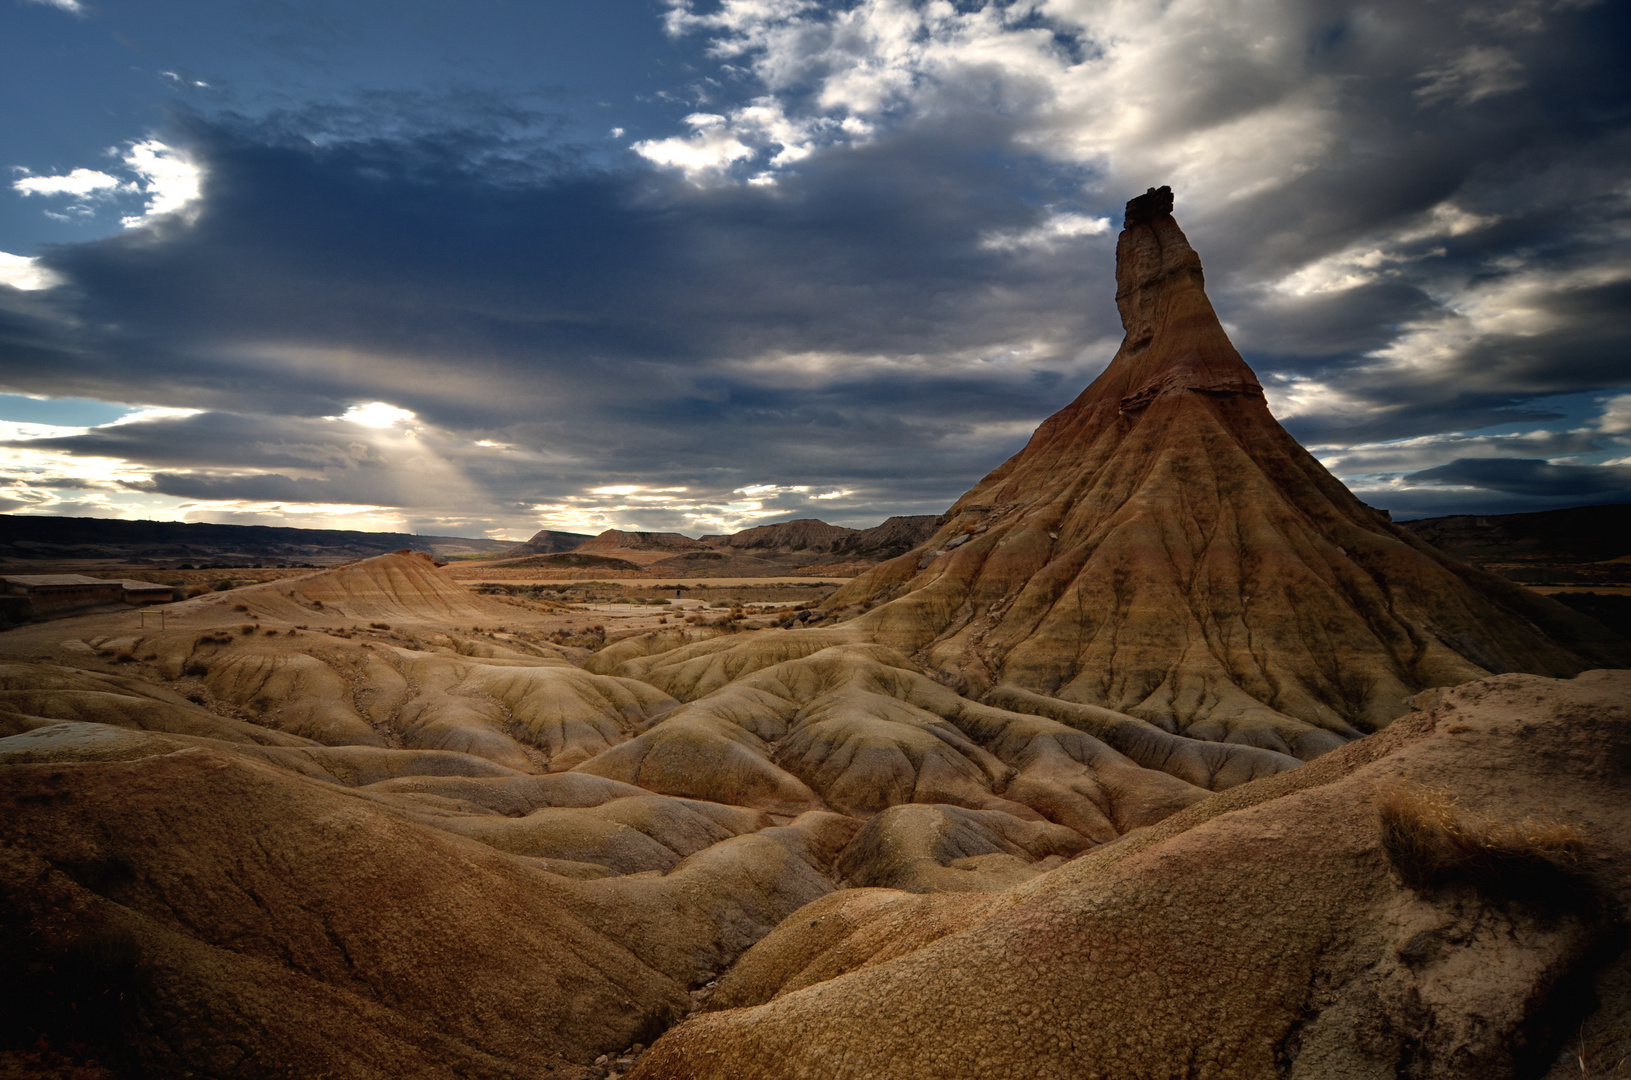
[[1163, 548], [402, 587], [896, 536], [548, 542], [530, 711], [801, 534], [788, 721], [949, 849], [193, 911], [1435, 902], [618, 540]]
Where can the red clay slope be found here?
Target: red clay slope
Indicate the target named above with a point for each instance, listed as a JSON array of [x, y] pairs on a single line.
[[1163, 547]]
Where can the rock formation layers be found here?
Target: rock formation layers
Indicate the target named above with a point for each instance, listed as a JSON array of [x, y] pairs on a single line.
[[1164, 548]]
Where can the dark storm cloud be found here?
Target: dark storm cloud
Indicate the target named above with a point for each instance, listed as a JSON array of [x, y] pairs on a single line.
[[826, 332], [1414, 213], [1526, 476]]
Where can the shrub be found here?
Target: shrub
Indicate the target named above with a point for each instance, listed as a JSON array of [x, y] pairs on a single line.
[[223, 585], [380, 625], [1432, 844], [246, 629], [240, 607]]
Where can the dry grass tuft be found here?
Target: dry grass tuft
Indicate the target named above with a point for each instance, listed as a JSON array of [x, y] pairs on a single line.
[[1432, 844]]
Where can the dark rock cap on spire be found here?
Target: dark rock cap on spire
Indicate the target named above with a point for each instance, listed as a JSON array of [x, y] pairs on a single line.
[[1146, 207]]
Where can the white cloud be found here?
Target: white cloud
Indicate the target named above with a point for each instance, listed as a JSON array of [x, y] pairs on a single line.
[[1616, 415], [1375, 258], [80, 183], [1525, 301], [23, 431], [1055, 229], [711, 148], [1213, 96], [72, 7], [171, 182], [25, 273], [148, 414], [1291, 396], [376, 414]]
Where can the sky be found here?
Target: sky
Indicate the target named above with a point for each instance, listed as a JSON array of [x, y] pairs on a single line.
[[487, 267]]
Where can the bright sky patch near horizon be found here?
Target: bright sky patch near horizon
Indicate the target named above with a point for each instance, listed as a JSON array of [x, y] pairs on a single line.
[[484, 268]]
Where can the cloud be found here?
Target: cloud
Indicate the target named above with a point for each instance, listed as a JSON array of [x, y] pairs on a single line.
[[1526, 476], [1375, 258], [376, 414], [26, 274], [709, 150], [1475, 73], [168, 178], [874, 254], [72, 7], [1055, 229], [81, 183]]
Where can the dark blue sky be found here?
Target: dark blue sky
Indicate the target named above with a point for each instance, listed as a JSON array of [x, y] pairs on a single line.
[[485, 267]]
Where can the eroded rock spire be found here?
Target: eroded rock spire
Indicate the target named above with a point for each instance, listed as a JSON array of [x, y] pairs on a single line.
[[1163, 547]]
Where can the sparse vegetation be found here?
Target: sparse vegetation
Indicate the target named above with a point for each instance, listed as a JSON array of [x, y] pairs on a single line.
[[1432, 843]]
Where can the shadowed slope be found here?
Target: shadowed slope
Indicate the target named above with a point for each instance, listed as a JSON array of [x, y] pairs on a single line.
[[1272, 930], [1162, 547]]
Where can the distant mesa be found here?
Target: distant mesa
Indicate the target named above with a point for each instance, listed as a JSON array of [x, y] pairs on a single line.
[[803, 546], [618, 540], [548, 542], [26, 538]]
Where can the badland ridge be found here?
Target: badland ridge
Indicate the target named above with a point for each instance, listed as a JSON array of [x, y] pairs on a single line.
[[1159, 754]]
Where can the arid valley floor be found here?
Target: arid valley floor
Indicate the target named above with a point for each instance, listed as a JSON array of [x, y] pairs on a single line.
[[1158, 755]]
